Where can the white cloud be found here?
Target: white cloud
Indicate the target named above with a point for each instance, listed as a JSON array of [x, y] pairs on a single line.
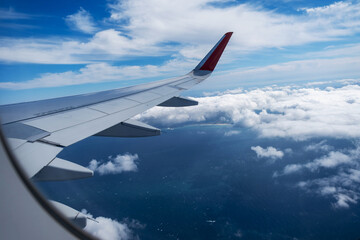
[[118, 164], [334, 68], [269, 152], [144, 34], [297, 113], [232, 133], [344, 157], [341, 184], [110, 229], [104, 45], [13, 19], [343, 201], [290, 112], [292, 168], [310, 70], [263, 29], [328, 190], [149, 28], [330, 9], [321, 146], [288, 151], [293, 71], [81, 21], [354, 175], [331, 160], [11, 14], [95, 73], [334, 51], [339, 187]]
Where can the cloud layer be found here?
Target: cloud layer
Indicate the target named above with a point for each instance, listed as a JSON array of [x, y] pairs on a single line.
[[148, 30], [334, 175], [332, 160], [143, 33], [342, 187], [115, 165], [263, 28], [321, 146], [288, 112], [99, 72], [319, 71]]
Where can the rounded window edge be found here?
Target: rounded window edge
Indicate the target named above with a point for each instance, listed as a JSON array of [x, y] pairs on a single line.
[[39, 198]]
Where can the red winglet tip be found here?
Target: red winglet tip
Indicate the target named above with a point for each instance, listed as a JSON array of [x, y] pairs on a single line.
[[211, 62]]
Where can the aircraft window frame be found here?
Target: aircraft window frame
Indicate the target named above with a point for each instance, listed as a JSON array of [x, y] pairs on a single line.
[[41, 200]]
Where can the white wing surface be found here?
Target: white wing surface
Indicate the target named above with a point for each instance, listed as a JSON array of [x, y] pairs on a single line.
[[38, 131]]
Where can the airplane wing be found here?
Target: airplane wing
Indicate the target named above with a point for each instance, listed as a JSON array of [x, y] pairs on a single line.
[[38, 131]]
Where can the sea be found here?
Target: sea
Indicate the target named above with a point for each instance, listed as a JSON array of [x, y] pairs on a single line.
[[205, 182]]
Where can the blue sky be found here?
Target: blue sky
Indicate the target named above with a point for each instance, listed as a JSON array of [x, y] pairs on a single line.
[[75, 47]]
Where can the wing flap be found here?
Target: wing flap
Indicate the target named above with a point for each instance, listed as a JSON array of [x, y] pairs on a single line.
[[22, 131], [130, 128], [60, 169], [178, 102], [34, 156]]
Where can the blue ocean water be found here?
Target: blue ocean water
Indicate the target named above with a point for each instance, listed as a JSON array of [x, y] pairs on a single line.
[[195, 182]]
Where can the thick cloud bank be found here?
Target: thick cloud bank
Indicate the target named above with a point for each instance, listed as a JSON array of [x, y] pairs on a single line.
[[118, 164], [110, 229], [289, 112]]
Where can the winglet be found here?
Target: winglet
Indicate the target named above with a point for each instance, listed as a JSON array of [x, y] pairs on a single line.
[[212, 58]]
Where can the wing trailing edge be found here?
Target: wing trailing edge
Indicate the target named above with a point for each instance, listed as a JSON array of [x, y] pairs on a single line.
[[178, 102], [130, 128], [61, 170]]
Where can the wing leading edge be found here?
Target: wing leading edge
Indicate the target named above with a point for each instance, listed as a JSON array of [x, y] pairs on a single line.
[[38, 131]]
